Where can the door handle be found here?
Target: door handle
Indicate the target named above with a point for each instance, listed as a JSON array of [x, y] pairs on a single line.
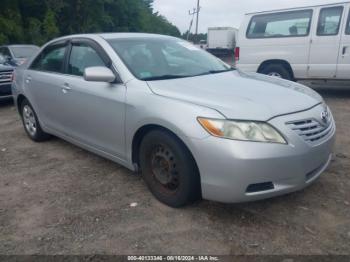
[[28, 79], [66, 88], [344, 50]]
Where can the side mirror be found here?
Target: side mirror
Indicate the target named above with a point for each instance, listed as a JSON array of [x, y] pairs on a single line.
[[99, 74], [2, 60]]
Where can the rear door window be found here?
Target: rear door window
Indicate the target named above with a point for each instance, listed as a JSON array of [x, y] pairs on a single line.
[[283, 24], [51, 59], [329, 21]]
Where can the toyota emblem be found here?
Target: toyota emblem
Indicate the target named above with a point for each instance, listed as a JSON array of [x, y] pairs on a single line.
[[325, 116]]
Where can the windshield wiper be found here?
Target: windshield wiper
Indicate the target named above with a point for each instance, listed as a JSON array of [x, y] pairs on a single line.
[[163, 77], [166, 77], [222, 71], [217, 71]]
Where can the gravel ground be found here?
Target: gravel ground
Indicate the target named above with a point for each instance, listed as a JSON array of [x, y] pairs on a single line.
[[56, 198]]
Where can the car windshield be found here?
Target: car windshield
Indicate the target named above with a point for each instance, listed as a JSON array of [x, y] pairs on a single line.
[[165, 58], [23, 51], [2, 59]]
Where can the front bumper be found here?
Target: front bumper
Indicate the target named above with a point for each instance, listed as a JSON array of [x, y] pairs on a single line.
[[231, 169]]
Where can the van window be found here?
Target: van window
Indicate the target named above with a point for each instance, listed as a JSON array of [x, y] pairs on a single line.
[[347, 30], [329, 21], [284, 24]]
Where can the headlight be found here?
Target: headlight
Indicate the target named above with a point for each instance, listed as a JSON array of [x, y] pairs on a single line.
[[242, 130]]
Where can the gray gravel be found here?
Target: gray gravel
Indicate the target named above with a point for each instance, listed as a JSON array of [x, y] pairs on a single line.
[[56, 198]]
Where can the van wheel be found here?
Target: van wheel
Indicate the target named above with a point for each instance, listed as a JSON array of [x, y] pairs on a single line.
[[31, 123], [277, 70], [169, 169]]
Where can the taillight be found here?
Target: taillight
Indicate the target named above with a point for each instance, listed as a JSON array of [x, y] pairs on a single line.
[[237, 51]]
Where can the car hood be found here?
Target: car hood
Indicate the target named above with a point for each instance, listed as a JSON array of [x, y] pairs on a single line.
[[5, 68], [239, 95]]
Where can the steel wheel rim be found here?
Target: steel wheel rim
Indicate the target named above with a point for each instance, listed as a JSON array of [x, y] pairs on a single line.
[[29, 120], [164, 169], [275, 74]]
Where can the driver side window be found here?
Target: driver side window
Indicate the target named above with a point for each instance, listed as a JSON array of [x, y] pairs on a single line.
[[329, 21], [347, 30]]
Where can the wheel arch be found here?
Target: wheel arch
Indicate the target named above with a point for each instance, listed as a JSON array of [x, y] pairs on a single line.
[[142, 132], [282, 62], [19, 101]]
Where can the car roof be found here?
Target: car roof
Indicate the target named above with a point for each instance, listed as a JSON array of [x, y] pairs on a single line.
[[131, 35], [19, 46], [109, 36], [297, 8]]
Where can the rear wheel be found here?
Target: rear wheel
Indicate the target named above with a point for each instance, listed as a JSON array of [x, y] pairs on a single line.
[[31, 123], [277, 70], [169, 169]]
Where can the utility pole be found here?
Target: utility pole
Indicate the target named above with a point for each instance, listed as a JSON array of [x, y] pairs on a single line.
[[197, 22], [191, 23], [193, 13]]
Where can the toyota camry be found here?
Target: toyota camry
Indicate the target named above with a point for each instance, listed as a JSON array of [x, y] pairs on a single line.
[[193, 126]]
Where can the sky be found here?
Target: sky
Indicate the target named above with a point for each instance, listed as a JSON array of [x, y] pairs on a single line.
[[223, 12]]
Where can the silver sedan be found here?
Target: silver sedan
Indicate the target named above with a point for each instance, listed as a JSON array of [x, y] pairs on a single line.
[[191, 124]]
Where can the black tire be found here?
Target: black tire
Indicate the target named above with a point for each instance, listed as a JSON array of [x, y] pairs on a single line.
[[38, 135], [279, 69], [169, 169]]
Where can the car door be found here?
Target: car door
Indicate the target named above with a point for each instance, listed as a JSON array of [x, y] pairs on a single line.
[[43, 82], [343, 68], [325, 43], [94, 112]]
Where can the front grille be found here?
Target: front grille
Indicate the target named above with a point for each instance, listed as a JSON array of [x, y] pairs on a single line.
[[311, 130], [5, 77]]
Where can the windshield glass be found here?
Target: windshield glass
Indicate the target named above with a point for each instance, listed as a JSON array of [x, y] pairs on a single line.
[[24, 51], [165, 58], [2, 59]]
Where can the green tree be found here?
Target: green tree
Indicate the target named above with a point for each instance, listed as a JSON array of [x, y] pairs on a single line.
[[37, 21], [10, 22], [50, 28]]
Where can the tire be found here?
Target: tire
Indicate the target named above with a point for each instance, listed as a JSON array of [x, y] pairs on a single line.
[[31, 123], [169, 169], [277, 70]]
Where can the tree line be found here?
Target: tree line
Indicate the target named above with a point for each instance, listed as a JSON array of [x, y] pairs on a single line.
[[195, 38], [37, 21]]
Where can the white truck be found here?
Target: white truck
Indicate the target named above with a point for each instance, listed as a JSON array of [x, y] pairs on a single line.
[[221, 40], [311, 43]]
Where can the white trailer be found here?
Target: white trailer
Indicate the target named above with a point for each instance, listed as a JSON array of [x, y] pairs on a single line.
[[222, 38]]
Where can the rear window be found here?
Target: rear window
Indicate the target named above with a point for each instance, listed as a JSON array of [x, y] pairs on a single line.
[[283, 24]]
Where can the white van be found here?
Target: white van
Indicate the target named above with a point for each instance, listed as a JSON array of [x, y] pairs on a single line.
[[295, 44]]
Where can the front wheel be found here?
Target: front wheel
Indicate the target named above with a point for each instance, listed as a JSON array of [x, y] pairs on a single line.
[[169, 169], [31, 123], [277, 70]]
